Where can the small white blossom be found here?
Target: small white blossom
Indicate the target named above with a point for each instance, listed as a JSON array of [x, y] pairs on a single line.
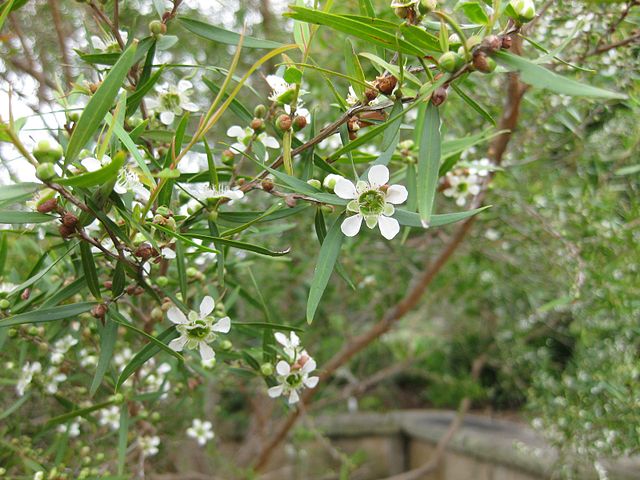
[[110, 417], [352, 98], [129, 181], [245, 135], [73, 429], [372, 201], [38, 476], [460, 185], [201, 431], [204, 192], [330, 180], [149, 445], [198, 330], [290, 344], [61, 347], [28, 370], [172, 100], [87, 359], [481, 167], [52, 378], [281, 91], [294, 377], [108, 44], [167, 253]]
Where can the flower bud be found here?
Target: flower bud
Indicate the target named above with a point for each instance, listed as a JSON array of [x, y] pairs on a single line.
[[330, 180], [449, 61], [226, 345], [315, 183], [439, 96], [257, 125], [45, 171], [156, 27], [260, 111], [483, 63], [284, 122], [192, 272], [267, 184], [402, 12], [328, 209], [213, 216], [44, 151], [299, 122], [157, 314], [525, 10], [99, 311], [386, 84], [370, 94], [506, 42], [427, 6], [164, 211], [118, 398], [69, 220], [162, 281], [492, 43], [66, 232], [227, 157], [266, 369], [145, 251], [47, 206], [4, 304]]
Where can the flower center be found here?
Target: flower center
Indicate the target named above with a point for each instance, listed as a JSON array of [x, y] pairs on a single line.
[[294, 380], [170, 100], [371, 202], [200, 331]]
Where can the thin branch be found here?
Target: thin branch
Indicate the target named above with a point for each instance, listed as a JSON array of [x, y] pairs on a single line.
[[62, 41]]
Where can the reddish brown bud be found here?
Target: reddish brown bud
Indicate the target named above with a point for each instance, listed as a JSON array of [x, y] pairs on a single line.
[[66, 232], [26, 293], [134, 290], [108, 284], [493, 43], [507, 42], [370, 94], [69, 220], [284, 122], [93, 87], [352, 135], [48, 206], [439, 96], [353, 124], [257, 125], [299, 123], [386, 84], [145, 251], [99, 311], [483, 63], [267, 184]]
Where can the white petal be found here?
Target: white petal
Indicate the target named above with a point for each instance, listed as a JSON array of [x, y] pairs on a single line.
[[389, 227], [270, 142], [190, 106], [282, 339], [378, 175], [397, 194], [178, 344], [236, 194], [351, 225], [206, 352], [168, 253], [236, 132], [293, 397], [184, 85], [309, 366], [295, 340], [206, 306], [311, 382], [345, 189], [167, 117], [222, 326], [91, 164], [275, 391], [283, 368], [176, 316]]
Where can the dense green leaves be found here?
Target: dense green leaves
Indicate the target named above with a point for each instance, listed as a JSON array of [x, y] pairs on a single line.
[[100, 103]]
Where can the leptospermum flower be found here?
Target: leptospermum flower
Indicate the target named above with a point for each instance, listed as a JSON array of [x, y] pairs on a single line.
[[461, 184], [201, 431], [172, 100], [294, 377], [290, 344], [108, 44], [128, 179], [244, 136], [204, 192], [372, 201], [198, 330]]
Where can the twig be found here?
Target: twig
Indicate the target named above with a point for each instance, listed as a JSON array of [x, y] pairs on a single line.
[[62, 41]]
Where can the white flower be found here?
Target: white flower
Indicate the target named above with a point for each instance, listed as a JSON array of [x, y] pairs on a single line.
[[61, 347], [122, 357], [281, 91], [110, 417], [172, 100], [28, 370], [293, 378], [38, 476], [481, 167], [167, 253], [352, 98], [87, 359], [291, 344], [461, 184], [201, 431], [245, 135], [108, 44], [52, 379], [372, 201], [204, 191], [73, 429], [198, 329], [330, 180], [148, 445], [92, 164], [129, 181]]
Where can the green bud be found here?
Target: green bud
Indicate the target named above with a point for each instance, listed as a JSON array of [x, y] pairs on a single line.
[[213, 216], [162, 281], [155, 416], [427, 6], [45, 171], [4, 304], [156, 27], [227, 157], [260, 111], [315, 183], [33, 331], [13, 333], [157, 314], [449, 61], [45, 152], [192, 272], [118, 398], [164, 211], [226, 345], [525, 10], [266, 369]]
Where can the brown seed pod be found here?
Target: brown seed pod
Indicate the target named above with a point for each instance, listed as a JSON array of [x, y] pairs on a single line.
[[439, 96], [284, 122], [267, 184], [66, 232], [257, 124], [48, 206], [145, 251], [99, 311], [386, 84], [299, 123], [370, 94], [507, 41], [492, 43], [69, 220]]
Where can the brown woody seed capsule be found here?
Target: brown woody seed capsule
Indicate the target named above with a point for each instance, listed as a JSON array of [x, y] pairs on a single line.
[[506, 42], [66, 232], [69, 220], [26, 293], [386, 84], [257, 125], [439, 96], [299, 123], [284, 122], [492, 43], [99, 311], [145, 251], [371, 94], [481, 62], [267, 184], [48, 206]]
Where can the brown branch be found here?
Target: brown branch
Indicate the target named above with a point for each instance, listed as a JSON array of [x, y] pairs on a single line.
[[62, 41], [605, 48]]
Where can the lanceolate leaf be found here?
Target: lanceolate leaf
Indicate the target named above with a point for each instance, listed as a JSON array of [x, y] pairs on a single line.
[[98, 177], [100, 103], [354, 69], [428, 162], [411, 219], [220, 35], [540, 77], [15, 217], [107, 342], [89, 267], [17, 192], [324, 266], [47, 314]]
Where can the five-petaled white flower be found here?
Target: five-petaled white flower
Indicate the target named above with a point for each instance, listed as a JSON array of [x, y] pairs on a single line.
[[198, 330], [204, 192], [290, 344], [372, 201], [172, 100], [245, 135], [110, 417], [294, 377], [28, 370], [108, 44], [128, 179], [148, 445], [460, 185], [281, 91], [201, 431]]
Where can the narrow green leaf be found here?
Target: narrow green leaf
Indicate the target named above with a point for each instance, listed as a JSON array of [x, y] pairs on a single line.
[[474, 12], [118, 280], [393, 69], [89, 268], [272, 326], [100, 103], [47, 314], [473, 104], [123, 431], [211, 163], [80, 412], [182, 269], [240, 245], [326, 260], [108, 337], [540, 77], [411, 219], [18, 191], [220, 35], [17, 217], [429, 162], [65, 293], [99, 177], [6, 8], [354, 69]]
